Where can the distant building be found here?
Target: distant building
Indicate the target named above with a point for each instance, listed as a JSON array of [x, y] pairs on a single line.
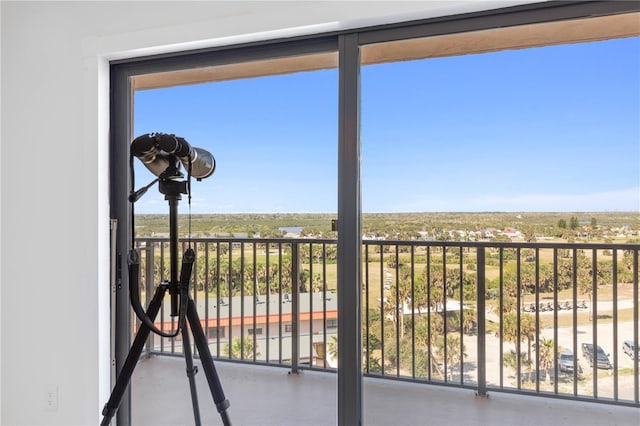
[[291, 231], [270, 320], [511, 233]]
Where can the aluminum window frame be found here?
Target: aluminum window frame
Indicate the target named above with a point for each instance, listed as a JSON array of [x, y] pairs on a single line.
[[347, 44]]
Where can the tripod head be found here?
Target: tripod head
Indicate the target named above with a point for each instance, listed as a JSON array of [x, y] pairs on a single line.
[[172, 189], [163, 154]]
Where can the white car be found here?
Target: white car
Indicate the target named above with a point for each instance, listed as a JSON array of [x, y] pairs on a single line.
[[627, 348]]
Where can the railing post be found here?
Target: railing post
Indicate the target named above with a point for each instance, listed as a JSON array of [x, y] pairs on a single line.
[[482, 348], [295, 308], [636, 340]]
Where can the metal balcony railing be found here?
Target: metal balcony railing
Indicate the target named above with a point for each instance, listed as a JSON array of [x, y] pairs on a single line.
[[551, 319]]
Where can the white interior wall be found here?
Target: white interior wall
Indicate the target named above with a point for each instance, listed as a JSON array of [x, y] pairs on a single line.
[[0, 217], [54, 170]]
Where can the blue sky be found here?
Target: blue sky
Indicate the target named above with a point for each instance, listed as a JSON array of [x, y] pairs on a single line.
[[545, 129]]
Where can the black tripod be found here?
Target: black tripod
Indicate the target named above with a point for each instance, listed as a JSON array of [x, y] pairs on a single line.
[[186, 310]]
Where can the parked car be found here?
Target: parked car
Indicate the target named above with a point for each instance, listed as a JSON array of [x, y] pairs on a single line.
[[602, 359], [627, 348], [565, 362]]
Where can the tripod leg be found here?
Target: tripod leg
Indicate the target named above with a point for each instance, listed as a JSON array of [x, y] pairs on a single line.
[[191, 373], [187, 265], [130, 363], [207, 363]]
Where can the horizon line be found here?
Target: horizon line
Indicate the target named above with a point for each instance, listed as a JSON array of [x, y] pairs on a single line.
[[417, 212]]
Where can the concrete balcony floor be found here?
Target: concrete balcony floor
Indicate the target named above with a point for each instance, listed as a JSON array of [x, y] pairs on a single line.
[[269, 396]]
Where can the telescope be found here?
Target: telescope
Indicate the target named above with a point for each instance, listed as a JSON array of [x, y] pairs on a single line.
[[162, 153]]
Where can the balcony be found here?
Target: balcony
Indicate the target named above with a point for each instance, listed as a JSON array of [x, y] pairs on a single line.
[[266, 396], [441, 321]]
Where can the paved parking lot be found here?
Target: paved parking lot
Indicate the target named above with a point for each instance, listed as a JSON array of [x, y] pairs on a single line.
[[605, 378]]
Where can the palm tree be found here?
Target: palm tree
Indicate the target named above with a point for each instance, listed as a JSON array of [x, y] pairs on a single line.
[[469, 320], [545, 353], [511, 360], [240, 348], [332, 347], [586, 288], [454, 355], [427, 339], [527, 330], [402, 289]]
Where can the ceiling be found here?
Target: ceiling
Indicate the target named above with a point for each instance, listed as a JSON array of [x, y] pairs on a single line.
[[515, 37]]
